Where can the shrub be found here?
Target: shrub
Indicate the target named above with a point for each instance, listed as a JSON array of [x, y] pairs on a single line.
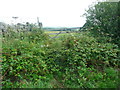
[[76, 61], [77, 54], [23, 59]]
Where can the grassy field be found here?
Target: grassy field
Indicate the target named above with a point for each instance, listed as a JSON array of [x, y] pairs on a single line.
[[48, 32], [51, 33]]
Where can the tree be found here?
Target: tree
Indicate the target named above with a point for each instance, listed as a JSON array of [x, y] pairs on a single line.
[[104, 18]]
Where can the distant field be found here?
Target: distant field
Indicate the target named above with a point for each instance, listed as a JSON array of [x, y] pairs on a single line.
[[54, 33]]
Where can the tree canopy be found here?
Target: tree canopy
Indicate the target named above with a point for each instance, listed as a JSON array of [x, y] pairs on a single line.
[[104, 18]]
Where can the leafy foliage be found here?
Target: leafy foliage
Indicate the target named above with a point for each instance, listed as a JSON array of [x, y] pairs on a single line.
[[22, 59], [104, 19], [31, 59], [78, 57]]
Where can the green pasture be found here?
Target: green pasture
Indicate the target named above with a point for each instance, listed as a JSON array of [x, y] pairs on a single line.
[[53, 32], [61, 34]]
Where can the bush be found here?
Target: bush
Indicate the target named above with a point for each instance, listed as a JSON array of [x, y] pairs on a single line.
[[23, 59], [85, 49], [103, 19], [75, 61], [77, 55]]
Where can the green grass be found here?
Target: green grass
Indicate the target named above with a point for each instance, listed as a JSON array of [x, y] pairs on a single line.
[[60, 35]]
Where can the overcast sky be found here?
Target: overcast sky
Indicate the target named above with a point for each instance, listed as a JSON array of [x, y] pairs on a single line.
[[52, 13]]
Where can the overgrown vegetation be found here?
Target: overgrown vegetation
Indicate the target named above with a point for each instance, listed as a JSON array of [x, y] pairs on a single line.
[[70, 61], [33, 60], [103, 20]]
